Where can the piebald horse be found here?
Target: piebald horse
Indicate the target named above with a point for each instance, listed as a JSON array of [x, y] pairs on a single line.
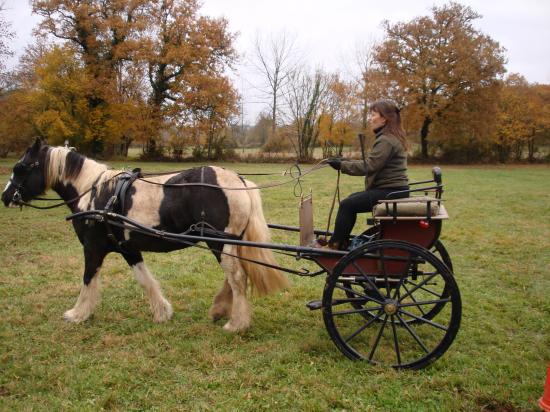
[[170, 209]]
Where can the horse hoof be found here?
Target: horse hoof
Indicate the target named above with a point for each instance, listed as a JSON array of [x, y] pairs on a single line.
[[230, 327], [163, 313], [74, 317], [217, 313]]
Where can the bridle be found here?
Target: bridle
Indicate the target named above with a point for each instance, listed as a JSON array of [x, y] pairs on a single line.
[[19, 188], [17, 198]]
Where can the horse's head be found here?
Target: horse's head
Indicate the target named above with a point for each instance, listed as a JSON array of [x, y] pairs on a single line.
[[27, 180]]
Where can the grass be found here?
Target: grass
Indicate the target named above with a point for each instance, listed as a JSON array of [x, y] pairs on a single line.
[[498, 237]]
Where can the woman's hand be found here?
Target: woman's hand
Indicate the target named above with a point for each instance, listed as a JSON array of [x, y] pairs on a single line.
[[335, 163]]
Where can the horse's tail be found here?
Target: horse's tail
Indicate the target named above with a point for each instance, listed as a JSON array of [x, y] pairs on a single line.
[[263, 279]]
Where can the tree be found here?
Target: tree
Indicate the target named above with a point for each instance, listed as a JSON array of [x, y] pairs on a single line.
[[142, 59], [6, 35], [16, 129], [104, 34], [258, 134], [184, 52], [433, 61], [367, 79], [522, 117], [214, 103], [541, 129], [275, 61], [304, 96], [338, 121]]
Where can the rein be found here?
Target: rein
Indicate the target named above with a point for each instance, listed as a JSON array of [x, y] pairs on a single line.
[[21, 203], [294, 178]]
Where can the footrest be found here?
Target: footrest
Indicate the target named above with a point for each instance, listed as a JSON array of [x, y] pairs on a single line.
[[314, 304]]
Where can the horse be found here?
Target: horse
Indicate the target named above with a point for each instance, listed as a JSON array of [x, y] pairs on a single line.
[[85, 184]]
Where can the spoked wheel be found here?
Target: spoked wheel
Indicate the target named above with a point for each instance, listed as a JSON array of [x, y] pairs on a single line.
[[396, 284], [438, 249]]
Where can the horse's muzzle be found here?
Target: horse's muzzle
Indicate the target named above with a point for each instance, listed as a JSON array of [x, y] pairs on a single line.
[[8, 197]]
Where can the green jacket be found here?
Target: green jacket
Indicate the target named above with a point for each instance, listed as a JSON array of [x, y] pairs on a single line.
[[386, 164]]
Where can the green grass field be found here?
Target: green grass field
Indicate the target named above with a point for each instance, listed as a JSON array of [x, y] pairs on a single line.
[[498, 237]]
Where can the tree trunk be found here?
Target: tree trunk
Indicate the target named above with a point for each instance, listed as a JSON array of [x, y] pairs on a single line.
[[274, 116], [518, 151], [424, 137], [531, 149]]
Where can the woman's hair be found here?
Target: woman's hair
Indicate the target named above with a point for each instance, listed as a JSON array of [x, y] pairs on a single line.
[[389, 111]]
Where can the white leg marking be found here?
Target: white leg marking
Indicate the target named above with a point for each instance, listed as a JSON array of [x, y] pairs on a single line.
[[161, 308], [236, 276], [9, 183], [86, 302]]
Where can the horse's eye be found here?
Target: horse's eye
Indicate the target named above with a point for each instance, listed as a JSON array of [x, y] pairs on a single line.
[[19, 168]]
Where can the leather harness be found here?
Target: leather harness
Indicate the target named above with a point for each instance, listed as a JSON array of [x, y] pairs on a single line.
[[117, 201], [116, 204]]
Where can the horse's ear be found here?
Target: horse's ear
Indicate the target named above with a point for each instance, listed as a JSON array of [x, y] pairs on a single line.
[[35, 148]]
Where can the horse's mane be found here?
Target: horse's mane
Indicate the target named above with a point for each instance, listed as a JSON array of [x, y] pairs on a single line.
[[64, 165]]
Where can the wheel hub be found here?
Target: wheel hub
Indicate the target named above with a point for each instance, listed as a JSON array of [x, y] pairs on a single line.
[[390, 307]]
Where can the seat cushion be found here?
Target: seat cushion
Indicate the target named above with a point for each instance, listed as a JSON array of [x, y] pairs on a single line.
[[412, 206]]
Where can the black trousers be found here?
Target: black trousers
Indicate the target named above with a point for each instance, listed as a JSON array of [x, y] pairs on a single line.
[[359, 202]]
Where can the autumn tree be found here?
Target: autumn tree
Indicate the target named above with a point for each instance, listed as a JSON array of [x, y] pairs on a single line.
[[339, 116], [183, 53], [103, 34], [274, 59], [435, 60], [541, 130], [522, 117], [16, 129], [214, 103], [142, 60]]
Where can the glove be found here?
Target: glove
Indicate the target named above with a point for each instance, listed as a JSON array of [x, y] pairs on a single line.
[[335, 163]]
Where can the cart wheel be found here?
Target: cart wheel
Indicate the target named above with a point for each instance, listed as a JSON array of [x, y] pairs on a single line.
[[394, 282], [438, 249]]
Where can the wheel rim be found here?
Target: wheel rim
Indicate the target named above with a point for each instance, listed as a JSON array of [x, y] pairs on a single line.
[[389, 319]]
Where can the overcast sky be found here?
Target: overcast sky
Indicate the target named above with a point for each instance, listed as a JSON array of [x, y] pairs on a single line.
[[327, 32]]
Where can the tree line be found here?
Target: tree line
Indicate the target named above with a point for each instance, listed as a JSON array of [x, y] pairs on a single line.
[[106, 74]]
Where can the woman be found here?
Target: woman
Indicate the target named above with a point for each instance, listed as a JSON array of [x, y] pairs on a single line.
[[385, 169]]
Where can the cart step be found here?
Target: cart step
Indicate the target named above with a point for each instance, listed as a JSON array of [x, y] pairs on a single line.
[[314, 304]]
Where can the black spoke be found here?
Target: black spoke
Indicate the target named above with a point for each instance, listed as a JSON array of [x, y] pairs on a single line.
[[351, 311], [396, 343], [348, 300], [425, 302], [358, 294], [413, 333], [425, 289], [370, 282], [419, 285], [402, 281], [371, 354], [412, 297], [429, 322], [362, 328], [384, 272]]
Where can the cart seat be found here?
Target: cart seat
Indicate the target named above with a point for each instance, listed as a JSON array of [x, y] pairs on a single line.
[[411, 208]]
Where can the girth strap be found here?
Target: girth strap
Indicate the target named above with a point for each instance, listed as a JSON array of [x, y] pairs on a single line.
[[124, 181], [117, 201]]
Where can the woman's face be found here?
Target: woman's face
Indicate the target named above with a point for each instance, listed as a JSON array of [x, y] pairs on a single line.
[[376, 120]]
